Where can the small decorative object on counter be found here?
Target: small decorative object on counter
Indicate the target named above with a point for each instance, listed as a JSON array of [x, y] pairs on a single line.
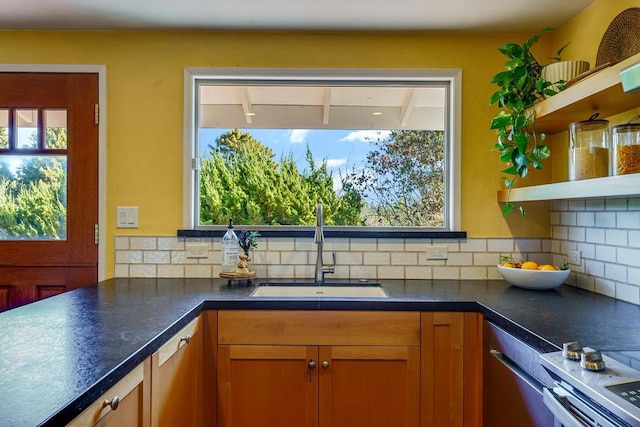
[[248, 241], [626, 147], [229, 250], [589, 144]]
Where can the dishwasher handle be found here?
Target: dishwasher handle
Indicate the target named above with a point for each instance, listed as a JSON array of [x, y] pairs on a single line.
[[518, 371]]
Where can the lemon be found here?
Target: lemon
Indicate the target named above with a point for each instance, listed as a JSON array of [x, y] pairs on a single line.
[[549, 267], [508, 265], [529, 265]]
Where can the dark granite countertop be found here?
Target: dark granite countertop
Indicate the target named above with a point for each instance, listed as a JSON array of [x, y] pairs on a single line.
[[60, 354]]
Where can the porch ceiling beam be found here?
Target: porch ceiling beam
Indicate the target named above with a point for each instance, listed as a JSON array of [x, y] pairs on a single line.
[[408, 103], [326, 108], [247, 107]]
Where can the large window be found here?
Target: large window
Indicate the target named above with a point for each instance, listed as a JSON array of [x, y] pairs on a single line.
[[377, 149]]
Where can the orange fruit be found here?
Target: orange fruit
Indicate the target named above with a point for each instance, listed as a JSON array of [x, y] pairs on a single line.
[[508, 265], [549, 267], [529, 265]]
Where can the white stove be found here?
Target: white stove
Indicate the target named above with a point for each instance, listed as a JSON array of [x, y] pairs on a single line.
[[592, 388]]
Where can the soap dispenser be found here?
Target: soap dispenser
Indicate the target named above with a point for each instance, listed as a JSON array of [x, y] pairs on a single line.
[[229, 250]]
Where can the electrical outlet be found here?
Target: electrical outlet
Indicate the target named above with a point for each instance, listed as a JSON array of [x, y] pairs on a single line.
[[437, 252], [197, 250], [574, 257]]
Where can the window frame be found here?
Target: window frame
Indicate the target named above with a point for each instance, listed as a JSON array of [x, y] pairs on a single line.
[[452, 77]]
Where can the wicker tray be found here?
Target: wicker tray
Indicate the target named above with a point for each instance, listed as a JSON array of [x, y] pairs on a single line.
[[622, 39], [248, 275]]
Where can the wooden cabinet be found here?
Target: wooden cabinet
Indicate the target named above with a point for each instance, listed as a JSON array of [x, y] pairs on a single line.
[[451, 369], [124, 404], [173, 387], [318, 368], [177, 379]]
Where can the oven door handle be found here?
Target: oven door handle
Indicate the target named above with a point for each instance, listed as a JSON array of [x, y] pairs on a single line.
[[559, 410]]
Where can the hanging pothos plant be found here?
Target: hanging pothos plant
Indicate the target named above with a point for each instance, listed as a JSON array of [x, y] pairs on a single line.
[[521, 85]]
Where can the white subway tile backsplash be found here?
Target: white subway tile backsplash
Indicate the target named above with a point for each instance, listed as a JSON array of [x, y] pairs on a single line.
[[606, 232], [473, 245], [615, 272], [606, 253], [376, 258], [606, 219], [628, 293], [144, 243], [595, 235], [616, 237], [500, 245], [616, 204], [630, 219], [568, 218], [629, 257], [577, 234], [585, 219]]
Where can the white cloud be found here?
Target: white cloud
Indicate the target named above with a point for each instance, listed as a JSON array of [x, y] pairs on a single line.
[[298, 136], [366, 135], [334, 163]]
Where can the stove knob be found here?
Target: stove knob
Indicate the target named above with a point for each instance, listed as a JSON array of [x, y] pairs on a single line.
[[592, 361], [572, 350]]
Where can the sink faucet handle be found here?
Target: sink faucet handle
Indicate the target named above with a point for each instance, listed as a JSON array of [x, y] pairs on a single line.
[[330, 268]]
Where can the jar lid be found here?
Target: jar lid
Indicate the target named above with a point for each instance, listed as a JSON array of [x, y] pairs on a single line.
[[626, 128], [590, 124]]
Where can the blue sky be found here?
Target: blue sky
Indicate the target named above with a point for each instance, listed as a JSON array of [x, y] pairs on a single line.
[[341, 149]]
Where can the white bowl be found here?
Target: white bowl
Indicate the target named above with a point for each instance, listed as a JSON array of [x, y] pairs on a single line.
[[534, 279]]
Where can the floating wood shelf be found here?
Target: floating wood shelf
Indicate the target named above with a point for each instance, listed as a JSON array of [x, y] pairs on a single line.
[[612, 186], [600, 92]]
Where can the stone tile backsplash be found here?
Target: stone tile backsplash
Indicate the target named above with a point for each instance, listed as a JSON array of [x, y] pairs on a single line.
[[606, 232]]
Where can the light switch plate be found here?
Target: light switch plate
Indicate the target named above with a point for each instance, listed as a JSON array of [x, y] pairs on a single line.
[[197, 250], [127, 217], [574, 257]]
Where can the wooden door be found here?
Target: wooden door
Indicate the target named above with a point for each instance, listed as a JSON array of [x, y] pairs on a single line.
[[47, 118], [177, 379], [267, 386], [442, 369], [369, 386]]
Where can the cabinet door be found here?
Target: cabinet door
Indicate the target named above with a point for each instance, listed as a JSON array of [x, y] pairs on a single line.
[[124, 404], [177, 372], [442, 369], [369, 386], [267, 386]]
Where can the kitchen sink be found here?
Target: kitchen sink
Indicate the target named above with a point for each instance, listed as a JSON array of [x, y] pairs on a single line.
[[325, 290]]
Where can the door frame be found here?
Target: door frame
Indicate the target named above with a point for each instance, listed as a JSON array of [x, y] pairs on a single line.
[[101, 71]]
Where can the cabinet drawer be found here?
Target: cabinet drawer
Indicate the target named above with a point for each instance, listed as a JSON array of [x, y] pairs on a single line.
[[319, 327], [178, 341], [128, 392]]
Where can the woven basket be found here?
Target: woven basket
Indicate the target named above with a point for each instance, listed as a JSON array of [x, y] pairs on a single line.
[[622, 38]]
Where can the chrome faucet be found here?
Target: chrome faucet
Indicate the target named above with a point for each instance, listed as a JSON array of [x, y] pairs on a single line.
[[318, 239]]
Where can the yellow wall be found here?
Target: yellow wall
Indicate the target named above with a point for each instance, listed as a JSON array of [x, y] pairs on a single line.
[[145, 102]]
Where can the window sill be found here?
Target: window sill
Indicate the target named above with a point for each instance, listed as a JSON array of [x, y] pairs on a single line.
[[331, 232]]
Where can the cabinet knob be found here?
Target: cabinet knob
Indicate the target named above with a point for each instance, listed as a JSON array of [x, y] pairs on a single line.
[[312, 364], [113, 403], [186, 339], [325, 364]]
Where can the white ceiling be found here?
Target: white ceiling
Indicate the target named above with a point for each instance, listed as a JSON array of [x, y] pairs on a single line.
[[292, 15]]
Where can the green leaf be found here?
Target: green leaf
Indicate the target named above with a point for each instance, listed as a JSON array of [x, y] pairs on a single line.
[[507, 182], [522, 211], [511, 170], [507, 208]]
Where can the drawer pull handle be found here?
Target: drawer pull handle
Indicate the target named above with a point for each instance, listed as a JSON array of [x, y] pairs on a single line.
[[186, 339], [113, 403]]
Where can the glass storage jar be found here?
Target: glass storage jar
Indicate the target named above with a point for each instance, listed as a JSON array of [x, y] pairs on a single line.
[[589, 147], [626, 147]]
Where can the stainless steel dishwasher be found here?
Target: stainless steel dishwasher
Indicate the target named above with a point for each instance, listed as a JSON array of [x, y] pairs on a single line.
[[513, 381]]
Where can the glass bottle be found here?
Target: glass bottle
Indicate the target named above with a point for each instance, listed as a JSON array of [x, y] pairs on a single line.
[[229, 250], [626, 147], [589, 144]]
